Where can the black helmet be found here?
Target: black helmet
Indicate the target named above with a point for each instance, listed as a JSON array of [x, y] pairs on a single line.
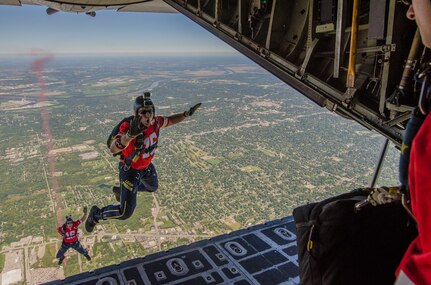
[[69, 219], [143, 101]]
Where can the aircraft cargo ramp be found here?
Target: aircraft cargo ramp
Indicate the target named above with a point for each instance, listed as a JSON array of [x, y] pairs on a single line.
[[262, 254]]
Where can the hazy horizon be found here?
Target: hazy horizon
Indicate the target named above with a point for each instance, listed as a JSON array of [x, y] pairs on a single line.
[[26, 29]]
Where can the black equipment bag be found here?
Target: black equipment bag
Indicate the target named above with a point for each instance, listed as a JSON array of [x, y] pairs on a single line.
[[337, 245]]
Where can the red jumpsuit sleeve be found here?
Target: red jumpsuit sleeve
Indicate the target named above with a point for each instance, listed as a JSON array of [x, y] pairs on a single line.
[[420, 183], [60, 230], [124, 127], [416, 262], [162, 121]]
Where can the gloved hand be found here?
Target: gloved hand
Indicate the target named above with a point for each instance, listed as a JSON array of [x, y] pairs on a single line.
[[134, 129], [192, 110], [139, 143], [380, 196], [85, 210]]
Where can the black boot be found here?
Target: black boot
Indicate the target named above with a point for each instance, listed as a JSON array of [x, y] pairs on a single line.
[[60, 261], [116, 191], [88, 257], [92, 219]]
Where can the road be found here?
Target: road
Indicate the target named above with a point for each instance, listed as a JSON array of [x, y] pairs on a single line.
[[155, 212], [27, 266]]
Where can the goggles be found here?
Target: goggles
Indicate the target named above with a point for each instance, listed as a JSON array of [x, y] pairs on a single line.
[[143, 112], [407, 2]]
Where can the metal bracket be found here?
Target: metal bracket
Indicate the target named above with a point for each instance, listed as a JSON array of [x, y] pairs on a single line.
[[403, 117], [304, 65], [384, 48]]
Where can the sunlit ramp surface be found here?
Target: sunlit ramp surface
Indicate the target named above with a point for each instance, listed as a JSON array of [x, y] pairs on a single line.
[[262, 254]]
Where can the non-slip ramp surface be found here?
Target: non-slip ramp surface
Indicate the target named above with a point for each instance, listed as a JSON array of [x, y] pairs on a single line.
[[263, 254]]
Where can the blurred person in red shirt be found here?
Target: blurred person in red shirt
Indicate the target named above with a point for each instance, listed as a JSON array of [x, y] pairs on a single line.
[[69, 232]]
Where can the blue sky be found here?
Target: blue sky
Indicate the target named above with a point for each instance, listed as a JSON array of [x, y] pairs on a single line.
[[27, 28]]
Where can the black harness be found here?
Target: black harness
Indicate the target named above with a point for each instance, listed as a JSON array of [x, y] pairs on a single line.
[[135, 155], [139, 150], [418, 117]]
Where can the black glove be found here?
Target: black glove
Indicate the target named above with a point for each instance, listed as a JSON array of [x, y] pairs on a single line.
[[192, 110], [134, 129], [139, 143], [85, 210]]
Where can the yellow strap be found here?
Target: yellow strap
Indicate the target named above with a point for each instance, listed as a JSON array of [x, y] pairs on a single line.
[[309, 245], [310, 242], [135, 158], [128, 185]]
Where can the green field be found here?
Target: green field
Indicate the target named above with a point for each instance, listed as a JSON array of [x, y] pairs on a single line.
[[70, 265], [2, 259], [235, 163], [48, 259]]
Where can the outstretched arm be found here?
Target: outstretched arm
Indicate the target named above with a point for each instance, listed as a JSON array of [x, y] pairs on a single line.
[[60, 231], [84, 216], [177, 118]]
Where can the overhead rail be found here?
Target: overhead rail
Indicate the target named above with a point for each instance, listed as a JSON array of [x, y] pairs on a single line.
[[352, 71]]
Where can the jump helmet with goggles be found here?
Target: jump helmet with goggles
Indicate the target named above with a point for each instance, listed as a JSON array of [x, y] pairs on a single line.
[[69, 219], [143, 101]]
